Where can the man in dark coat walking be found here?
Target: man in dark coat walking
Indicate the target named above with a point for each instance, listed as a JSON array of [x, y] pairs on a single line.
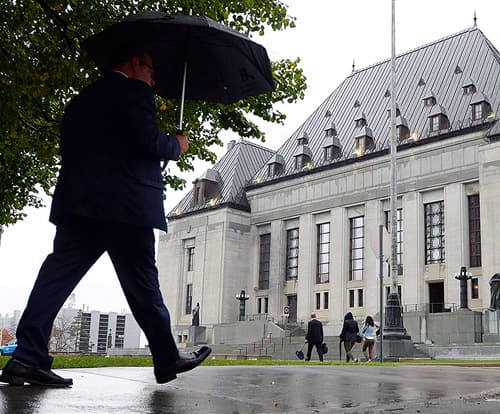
[[314, 337], [108, 198]]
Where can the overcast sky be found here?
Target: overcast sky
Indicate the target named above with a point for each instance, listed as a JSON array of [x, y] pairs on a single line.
[[328, 36]]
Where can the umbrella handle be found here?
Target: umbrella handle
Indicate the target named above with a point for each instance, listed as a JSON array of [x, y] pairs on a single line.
[[183, 92]]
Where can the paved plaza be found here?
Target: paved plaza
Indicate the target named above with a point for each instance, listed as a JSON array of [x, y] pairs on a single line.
[[270, 389]]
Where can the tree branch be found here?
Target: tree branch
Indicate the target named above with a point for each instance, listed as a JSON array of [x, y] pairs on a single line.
[[58, 21]]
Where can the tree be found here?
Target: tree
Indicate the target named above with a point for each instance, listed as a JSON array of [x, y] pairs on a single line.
[[65, 330], [41, 68]]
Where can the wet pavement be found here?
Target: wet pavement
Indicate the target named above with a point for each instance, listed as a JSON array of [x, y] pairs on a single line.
[[270, 389]]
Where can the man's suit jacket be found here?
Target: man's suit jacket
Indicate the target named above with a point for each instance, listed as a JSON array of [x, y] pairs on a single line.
[[111, 148], [314, 331]]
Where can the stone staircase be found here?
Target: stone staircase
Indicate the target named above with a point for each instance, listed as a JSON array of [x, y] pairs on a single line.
[[281, 348]]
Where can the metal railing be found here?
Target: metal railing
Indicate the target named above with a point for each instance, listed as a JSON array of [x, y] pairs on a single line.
[[435, 307], [259, 317]]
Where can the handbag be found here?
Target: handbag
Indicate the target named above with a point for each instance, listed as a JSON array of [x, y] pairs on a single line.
[[300, 353], [324, 348], [358, 338]]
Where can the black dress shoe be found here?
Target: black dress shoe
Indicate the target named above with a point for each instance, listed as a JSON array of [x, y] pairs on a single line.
[[186, 362], [17, 373]]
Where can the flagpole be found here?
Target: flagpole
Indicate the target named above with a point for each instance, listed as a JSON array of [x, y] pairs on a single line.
[[393, 327], [393, 189]]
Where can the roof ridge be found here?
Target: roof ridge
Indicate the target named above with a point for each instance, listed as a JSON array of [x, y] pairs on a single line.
[[415, 49], [262, 147]]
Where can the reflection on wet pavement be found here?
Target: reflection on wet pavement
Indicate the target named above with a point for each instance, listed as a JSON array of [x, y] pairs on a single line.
[[248, 389]]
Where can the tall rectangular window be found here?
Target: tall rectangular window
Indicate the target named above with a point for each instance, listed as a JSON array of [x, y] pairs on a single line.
[[292, 254], [399, 235], [189, 299], [318, 300], [325, 300], [351, 298], [190, 259], [360, 298], [474, 288], [434, 232], [474, 231], [323, 256], [263, 304], [357, 248], [264, 261]]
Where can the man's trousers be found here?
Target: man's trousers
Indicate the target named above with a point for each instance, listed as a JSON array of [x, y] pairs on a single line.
[[78, 243]]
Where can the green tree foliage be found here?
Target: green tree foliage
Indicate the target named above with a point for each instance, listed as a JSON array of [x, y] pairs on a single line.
[[41, 68]]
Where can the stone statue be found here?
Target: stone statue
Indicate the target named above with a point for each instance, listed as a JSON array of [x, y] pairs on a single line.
[[495, 292], [196, 315]]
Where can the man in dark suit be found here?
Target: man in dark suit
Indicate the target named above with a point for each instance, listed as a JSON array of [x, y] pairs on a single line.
[[314, 337], [108, 198]]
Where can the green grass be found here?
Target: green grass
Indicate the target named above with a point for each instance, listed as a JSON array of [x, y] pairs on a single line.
[[90, 361]]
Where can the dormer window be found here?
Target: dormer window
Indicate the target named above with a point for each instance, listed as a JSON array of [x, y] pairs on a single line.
[[364, 141], [402, 130], [469, 88], [429, 99], [332, 149], [303, 157], [438, 119], [398, 112], [481, 107], [435, 123], [206, 187], [360, 120], [477, 111], [303, 139], [275, 165], [331, 131]]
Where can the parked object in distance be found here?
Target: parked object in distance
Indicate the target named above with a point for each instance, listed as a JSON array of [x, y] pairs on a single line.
[[9, 347]]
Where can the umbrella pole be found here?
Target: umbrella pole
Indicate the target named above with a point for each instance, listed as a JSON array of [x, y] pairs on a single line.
[[179, 131]]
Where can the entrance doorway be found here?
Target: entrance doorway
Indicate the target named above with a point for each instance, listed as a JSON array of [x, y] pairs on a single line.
[[436, 297], [292, 306]]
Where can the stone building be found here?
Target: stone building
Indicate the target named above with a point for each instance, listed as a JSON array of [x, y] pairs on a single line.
[[299, 227]]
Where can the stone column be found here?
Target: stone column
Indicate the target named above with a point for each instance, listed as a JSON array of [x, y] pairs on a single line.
[[307, 251], [276, 269]]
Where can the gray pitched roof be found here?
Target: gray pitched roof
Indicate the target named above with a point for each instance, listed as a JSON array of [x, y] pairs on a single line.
[[233, 171], [430, 69]]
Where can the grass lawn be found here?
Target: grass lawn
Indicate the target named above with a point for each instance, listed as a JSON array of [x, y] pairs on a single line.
[[90, 361]]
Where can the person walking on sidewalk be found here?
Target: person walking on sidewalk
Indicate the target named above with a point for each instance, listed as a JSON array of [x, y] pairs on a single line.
[[349, 335], [369, 334], [314, 337], [108, 198]]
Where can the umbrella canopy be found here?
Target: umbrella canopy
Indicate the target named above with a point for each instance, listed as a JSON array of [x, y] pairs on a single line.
[[217, 63]]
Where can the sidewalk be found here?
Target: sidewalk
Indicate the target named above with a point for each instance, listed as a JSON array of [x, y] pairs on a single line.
[[270, 389]]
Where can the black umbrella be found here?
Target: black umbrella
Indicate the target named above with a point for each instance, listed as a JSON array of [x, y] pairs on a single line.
[[194, 56]]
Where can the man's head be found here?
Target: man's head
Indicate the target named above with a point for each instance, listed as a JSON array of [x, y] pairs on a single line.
[[136, 63], [313, 315]]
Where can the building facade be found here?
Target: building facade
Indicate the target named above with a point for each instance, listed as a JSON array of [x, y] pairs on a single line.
[[76, 330], [299, 232]]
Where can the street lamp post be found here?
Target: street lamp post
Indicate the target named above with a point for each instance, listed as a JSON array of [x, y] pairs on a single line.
[[242, 297], [463, 276]]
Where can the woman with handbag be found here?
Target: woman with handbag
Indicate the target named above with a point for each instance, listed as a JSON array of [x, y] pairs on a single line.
[[369, 333], [349, 335]]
